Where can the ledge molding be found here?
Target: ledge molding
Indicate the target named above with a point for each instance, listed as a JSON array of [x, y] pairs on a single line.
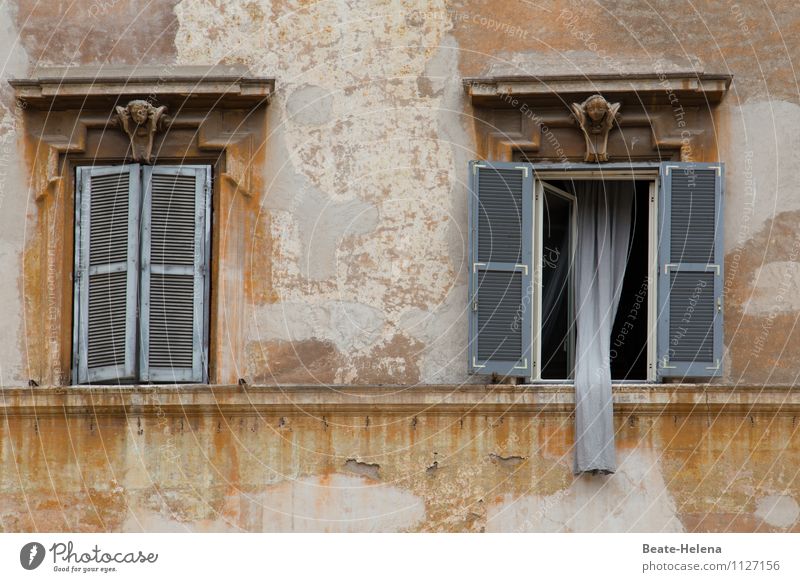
[[193, 400], [641, 87], [87, 87]]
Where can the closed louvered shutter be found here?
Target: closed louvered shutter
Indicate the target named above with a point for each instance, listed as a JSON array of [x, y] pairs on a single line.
[[175, 235], [500, 268], [690, 274], [107, 274]]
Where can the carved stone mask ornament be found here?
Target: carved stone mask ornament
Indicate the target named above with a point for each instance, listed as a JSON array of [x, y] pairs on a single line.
[[595, 117], [141, 120]]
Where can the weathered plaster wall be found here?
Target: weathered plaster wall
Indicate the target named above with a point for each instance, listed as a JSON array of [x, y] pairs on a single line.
[[368, 256], [14, 204], [359, 247], [358, 275], [319, 468], [364, 208]]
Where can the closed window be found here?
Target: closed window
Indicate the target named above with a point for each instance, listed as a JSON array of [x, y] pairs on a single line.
[[523, 237], [142, 238]]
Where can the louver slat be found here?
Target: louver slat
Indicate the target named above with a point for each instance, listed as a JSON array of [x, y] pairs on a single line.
[[172, 220], [171, 321], [500, 216], [500, 303], [174, 277], [500, 283], [107, 319], [691, 321], [106, 273], [693, 216], [690, 271]]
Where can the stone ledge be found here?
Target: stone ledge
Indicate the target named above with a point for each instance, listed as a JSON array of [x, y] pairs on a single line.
[[86, 87], [641, 88], [188, 400]]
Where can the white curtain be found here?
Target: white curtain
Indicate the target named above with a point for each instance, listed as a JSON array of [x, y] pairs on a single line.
[[604, 225]]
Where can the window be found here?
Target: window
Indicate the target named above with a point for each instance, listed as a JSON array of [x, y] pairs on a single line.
[[142, 237], [522, 285], [556, 230]]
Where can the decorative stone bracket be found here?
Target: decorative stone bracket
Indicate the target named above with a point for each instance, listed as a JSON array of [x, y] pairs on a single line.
[[595, 117], [140, 120]]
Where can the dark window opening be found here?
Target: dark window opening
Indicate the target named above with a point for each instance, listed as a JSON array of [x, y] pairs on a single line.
[[557, 264], [630, 332], [629, 337]]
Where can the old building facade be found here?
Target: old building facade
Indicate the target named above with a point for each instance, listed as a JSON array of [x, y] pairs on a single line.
[[330, 379]]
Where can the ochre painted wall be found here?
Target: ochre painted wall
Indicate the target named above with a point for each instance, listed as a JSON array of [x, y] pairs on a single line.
[[383, 459], [358, 276], [360, 243]]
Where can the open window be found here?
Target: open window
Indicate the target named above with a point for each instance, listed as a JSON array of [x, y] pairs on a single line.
[[523, 245], [142, 247]]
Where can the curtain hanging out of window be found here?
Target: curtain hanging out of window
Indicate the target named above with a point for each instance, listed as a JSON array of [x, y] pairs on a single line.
[[604, 226]]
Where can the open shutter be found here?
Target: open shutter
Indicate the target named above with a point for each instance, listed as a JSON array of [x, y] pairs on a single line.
[[175, 236], [106, 273], [501, 218], [690, 273]]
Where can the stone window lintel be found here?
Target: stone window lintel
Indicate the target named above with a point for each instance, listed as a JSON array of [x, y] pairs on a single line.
[[663, 115]]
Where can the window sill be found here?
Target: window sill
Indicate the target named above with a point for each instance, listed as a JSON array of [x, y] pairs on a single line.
[[200, 399]]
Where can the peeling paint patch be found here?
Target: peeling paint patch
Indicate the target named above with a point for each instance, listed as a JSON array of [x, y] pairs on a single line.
[[338, 503], [760, 154], [301, 362], [310, 105], [391, 362], [370, 470], [778, 510], [760, 294], [443, 330], [633, 499], [355, 327], [111, 31], [352, 327], [310, 227], [509, 462], [775, 287]]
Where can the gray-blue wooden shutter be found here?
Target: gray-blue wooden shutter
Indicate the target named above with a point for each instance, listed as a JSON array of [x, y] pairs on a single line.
[[690, 276], [175, 248], [500, 231], [106, 273]]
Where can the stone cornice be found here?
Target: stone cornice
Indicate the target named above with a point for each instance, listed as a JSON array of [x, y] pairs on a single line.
[[189, 400], [646, 88], [186, 86]]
